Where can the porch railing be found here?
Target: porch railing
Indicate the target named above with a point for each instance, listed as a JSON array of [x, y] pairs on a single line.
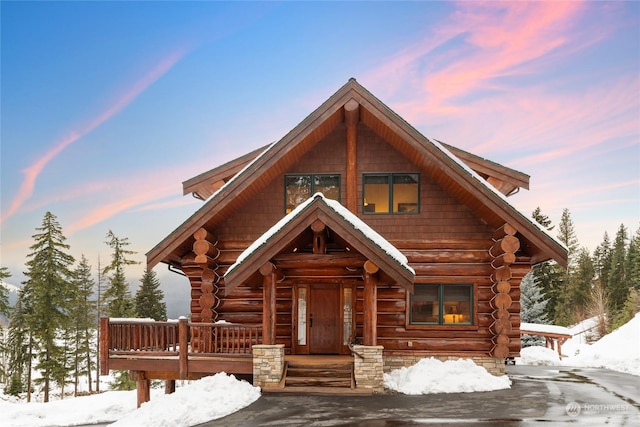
[[133, 338]]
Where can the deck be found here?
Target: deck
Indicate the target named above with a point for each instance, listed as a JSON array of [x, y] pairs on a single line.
[[176, 350]]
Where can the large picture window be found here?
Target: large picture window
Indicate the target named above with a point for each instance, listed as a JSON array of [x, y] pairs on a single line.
[[441, 304], [391, 193], [299, 188]]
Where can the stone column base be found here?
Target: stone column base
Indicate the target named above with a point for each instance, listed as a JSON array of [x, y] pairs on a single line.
[[268, 365], [369, 367]]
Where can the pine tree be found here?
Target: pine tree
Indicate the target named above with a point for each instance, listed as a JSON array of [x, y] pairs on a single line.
[[576, 279], [83, 316], [48, 277], [533, 304], [632, 262], [117, 296], [4, 311], [567, 235], [547, 275], [617, 284], [20, 345], [149, 298], [628, 310], [4, 292], [602, 260]]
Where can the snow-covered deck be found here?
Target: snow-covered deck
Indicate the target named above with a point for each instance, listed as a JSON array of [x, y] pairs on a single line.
[[554, 335]]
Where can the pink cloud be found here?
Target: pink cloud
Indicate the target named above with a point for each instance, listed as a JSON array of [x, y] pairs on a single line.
[[32, 172]]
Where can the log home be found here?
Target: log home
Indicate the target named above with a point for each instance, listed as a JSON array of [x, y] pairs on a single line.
[[352, 246]]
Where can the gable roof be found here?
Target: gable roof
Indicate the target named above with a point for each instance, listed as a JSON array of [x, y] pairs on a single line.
[[342, 222], [429, 155], [508, 181]]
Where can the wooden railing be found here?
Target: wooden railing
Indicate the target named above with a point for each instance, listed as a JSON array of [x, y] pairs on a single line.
[[155, 337], [134, 338], [223, 338]]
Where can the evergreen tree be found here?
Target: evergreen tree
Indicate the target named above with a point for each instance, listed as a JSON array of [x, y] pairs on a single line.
[[20, 345], [149, 298], [118, 296], [575, 299], [4, 292], [632, 262], [83, 317], [533, 304], [628, 310], [617, 284], [547, 276], [48, 277], [602, 260], [567, 235], [4, 311]]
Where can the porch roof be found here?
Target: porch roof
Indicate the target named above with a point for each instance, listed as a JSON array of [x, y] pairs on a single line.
[[348, 226]]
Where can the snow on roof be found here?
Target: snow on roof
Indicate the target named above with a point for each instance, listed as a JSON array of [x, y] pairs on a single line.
[[545, 329], [491, 188], [349, 217]]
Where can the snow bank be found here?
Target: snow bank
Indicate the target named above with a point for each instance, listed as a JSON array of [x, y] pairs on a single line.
[[207, 399], [619, 350], [221, 394], [431, 375], [538, 356]]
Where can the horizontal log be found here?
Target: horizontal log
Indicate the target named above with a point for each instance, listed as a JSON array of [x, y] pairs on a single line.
[[501, 274], [441, 345], [448, 256], [391, 293], [293, 261], [206, 261], [500, 351], [503, 286], [453, 270], [505, 259], [203, 234], [505, 230], [325, 273], [508, 244], [441, 244], [204, 247], [501, 301], [442, 333]]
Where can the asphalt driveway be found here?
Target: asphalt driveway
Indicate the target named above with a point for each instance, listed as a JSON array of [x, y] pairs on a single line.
[[538, 395]]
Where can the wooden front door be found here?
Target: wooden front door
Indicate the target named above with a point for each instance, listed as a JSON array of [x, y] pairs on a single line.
[[325, 319]]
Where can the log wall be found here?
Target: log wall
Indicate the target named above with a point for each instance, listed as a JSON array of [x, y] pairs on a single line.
[[445, 243]]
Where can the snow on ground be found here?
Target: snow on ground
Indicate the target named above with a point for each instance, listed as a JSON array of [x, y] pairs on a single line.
[[619, 350], [224, 393], [431, 375]]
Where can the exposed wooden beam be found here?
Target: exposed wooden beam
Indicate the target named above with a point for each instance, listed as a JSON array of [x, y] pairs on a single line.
[[351, 118]]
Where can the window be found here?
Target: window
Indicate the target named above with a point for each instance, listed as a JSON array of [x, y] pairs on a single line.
[[391, 193], [441, 304], [299, 188]]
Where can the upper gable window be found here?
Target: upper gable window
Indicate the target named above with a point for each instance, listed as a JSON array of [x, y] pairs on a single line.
[[298, 188], [391, 193]]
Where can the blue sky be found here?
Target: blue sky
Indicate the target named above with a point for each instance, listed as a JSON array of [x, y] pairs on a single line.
[[108, 106]]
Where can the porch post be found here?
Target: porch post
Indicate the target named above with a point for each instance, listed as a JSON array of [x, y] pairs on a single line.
[[270, 275], [370, 304]]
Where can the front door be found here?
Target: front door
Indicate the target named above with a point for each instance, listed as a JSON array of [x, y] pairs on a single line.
[[325, 319]]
